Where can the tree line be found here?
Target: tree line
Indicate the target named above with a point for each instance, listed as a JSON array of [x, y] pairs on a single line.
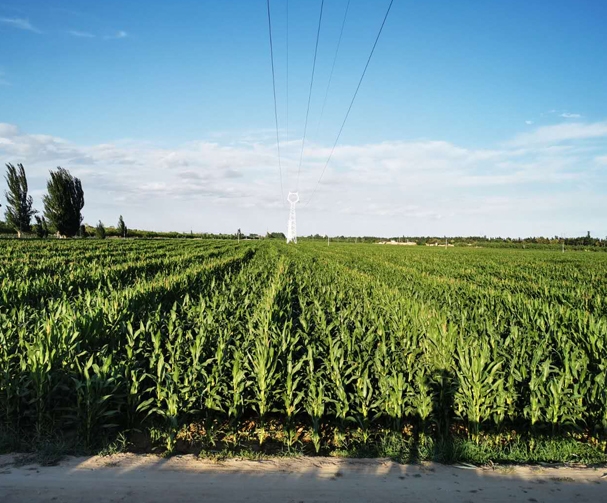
[[63, 204], [581, 242]]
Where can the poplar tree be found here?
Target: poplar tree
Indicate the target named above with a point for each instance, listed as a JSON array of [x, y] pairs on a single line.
[[64, 202], [19, 209], [100, 230], [122, 229]]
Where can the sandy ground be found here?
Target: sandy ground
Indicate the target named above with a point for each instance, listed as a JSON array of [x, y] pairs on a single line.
[[129, 477]]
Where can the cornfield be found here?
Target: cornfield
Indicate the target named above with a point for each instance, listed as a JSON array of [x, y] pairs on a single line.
[[206, 341]]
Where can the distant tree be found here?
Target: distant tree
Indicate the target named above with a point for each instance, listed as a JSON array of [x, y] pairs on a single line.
[[19, 209], [64, 202], [4, 229], [276, 235], [122, 230], [100, 230], [82, 231], [41, 227]]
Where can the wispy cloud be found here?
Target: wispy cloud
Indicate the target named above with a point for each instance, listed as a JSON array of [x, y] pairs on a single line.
[[562, 113], [85, 34], [560, 133], [529, 123], [117, 35], [19, 23], [81, 34]]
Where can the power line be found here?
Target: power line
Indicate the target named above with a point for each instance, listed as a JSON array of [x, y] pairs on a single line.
[[351, 103], [282, 194], [303, 141], [341, 32], [287, 139]]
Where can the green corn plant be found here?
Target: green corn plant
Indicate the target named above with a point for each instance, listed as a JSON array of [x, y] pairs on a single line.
[[567, 389], [134, 373], [340, 376], [440, 348], [37, 362], [364, 402], [422, 401], [292, 394], [541, 371], [11, 375], [237, 386], [394, 391], [264, 376], [215, 390], [480, 384], [315, 399], [167, 399], [96, 398]]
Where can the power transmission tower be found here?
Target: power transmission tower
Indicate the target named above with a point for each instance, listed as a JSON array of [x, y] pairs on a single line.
[[293, 199]]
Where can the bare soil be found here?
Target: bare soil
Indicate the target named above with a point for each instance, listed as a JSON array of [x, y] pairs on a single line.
[[148, 478]]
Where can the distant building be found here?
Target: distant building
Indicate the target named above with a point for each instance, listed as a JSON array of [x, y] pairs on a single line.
[[392, 242], [440, 244]]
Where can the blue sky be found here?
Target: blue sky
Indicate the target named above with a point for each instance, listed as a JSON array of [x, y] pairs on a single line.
[[475, 117]]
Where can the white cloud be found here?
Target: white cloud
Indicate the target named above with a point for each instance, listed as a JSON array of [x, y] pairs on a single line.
[[561, 133], [570, 116], [21, 24], [7, 131], [117, 35], [529, 123], [81, 34], [397, 187]]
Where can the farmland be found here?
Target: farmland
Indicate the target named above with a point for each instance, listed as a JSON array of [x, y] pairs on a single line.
[[417, 353]]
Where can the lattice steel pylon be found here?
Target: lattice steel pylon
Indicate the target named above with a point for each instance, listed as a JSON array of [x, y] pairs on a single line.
[[293, 199]]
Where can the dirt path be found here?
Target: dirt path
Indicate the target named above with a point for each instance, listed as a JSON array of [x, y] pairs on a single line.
[[184, 478]]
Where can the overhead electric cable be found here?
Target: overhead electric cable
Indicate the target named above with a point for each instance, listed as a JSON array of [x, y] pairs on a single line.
[[282, 194], [351, 103], [303, 141], [287, 138], [324, 102]]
